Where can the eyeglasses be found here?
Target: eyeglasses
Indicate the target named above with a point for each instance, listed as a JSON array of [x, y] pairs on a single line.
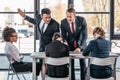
[[14, 36]]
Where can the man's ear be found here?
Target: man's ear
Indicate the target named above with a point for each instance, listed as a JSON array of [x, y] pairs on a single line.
[[41, 16]]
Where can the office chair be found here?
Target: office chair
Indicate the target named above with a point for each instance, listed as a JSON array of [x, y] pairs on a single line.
[[57, 62], [12, 70], [104, 61]]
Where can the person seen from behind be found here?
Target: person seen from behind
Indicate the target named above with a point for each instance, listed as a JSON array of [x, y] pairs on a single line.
[[99, 48], [56, 49]]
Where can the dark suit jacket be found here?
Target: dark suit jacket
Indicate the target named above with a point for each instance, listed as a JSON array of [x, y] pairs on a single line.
[[56, 49], [99, 48], [80, 33], [46, 37]]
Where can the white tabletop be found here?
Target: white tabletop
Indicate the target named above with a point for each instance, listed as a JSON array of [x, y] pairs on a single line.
[[72, 54]]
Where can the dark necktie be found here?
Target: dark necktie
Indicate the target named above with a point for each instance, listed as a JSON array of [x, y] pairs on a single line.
[[73, 31], [42, 28]]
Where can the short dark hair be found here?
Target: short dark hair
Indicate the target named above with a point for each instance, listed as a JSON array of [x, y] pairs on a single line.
[[7, 33], [56, 35], [45, 11]]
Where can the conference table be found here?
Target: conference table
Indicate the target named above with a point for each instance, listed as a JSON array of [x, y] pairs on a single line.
[[72, 55]]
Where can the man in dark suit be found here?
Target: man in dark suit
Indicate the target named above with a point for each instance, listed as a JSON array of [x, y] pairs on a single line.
[[74, 32], [46, 25]]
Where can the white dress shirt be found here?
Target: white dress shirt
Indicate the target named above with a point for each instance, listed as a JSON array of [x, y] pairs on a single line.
[[70, 24], [41, 24], [13, 51]]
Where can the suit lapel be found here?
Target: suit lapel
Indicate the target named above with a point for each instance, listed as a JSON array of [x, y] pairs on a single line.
[[68, 27], [38, 23], [78, 25], [48, 28]]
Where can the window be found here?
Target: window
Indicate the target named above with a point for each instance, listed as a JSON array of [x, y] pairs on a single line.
[[57, 7], [96, 14], [91, 5], [116, 30], [10, 17], [13, 5]]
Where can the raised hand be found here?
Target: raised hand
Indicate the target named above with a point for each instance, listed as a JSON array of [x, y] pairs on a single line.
[[22, 13]]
